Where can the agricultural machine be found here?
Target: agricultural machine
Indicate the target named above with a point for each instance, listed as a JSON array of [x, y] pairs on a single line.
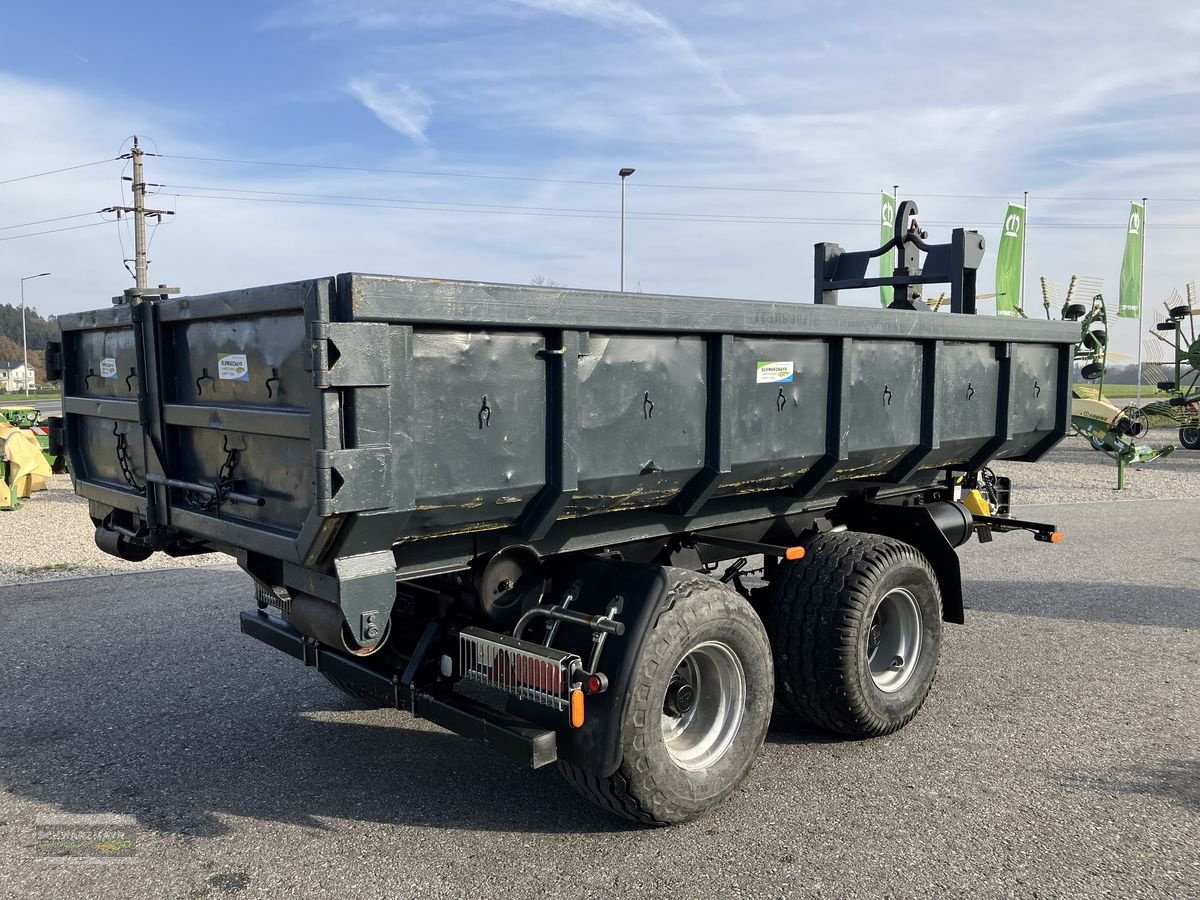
[[1179, 375], [1109, 429], [25, 459]]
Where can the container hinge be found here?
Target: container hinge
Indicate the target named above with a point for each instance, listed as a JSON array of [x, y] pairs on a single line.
[[54, 361], [351, 354], [349, 480]]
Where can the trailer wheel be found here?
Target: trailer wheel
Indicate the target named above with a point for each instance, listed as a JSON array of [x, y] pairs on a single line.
[[697, 710], [856, 629], [1189, 437]]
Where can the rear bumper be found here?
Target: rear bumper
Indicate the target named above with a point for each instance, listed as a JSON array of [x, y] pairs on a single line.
[[495, 729]]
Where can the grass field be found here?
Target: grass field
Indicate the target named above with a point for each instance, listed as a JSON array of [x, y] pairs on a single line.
[[1119, 391], [20, 399]]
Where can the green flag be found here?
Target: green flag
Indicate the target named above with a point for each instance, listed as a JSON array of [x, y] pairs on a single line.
[[1131, 264], [887, 262], [1008, 262]]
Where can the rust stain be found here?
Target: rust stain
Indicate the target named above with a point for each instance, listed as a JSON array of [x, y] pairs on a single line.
[[470, 504]]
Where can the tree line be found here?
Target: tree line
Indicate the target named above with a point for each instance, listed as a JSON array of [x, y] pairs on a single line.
[[38, 332]]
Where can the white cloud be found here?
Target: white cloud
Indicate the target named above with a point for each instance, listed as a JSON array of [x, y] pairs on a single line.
[[399, 106], [627, 15]]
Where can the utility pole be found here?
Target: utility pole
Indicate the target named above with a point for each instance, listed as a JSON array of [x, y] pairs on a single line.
[[141, 264], [140, 213]]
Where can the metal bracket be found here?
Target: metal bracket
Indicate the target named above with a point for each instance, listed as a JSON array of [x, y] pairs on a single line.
[[954, 263], [349, 480], [371, 362], [54, 361]]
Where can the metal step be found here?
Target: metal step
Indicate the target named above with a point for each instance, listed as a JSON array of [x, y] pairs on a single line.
[[494, 728]]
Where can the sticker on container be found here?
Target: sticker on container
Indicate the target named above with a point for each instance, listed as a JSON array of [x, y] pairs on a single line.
[[232, 367], [108, 367], [775, 372]]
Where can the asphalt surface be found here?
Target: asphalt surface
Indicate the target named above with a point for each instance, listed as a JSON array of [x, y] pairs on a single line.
[[47, 407], [1057, 755]]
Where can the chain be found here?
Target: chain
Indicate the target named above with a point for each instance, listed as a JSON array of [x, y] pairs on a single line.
[[123, 460], [224, 483]]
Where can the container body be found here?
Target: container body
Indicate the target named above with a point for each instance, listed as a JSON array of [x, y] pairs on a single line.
[[365, 415]]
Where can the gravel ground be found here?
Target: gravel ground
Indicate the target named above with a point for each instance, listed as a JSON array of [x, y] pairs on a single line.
[[1074, 473], [51, 536]]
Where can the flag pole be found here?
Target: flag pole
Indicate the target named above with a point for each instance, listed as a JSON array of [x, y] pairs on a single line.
[[1141, 303], [1024, 244]]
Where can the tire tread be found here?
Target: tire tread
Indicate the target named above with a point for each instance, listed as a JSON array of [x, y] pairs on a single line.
[[811, 620], [615, 793]]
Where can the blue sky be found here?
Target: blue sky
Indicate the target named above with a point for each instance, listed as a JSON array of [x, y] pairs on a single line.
[[1066, 100]]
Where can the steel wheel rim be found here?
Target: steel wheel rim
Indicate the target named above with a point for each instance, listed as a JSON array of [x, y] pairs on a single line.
[[699, 736], [894, 640]]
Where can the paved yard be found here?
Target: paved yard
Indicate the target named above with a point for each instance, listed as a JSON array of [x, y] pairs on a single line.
[[1056, 756]]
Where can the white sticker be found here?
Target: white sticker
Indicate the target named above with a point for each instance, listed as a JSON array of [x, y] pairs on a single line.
[[108, 367], [232, 367], [775, 372]]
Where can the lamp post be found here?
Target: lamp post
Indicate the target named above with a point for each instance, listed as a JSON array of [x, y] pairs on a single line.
[[624, 173], [24, 340]]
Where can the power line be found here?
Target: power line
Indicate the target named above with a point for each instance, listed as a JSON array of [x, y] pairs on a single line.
[[46, 221], [600, 213], [598, 183], [528, 178], [288, 165], [56, 171], [569, 213], [17, 237], [650, 184]]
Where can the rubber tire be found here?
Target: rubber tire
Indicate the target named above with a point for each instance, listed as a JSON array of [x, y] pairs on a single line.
[[363, 698], [649, 787], [1189, 438], [819, 616]]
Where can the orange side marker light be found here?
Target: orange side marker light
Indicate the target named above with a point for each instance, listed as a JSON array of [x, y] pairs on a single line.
[[794, 553], [577, 708], [1056, 537]]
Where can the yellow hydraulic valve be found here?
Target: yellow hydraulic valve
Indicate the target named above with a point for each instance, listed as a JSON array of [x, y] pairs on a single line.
[[976, 503]]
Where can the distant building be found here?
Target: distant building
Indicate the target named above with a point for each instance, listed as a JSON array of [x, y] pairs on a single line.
[[15, 376]]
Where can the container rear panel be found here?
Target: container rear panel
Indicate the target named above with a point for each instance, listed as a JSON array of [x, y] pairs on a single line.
[[106, 444], [236, 404]]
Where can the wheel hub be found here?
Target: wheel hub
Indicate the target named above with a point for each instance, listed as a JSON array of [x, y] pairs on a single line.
[[681, 697], [704, 705], [875, 633], [894, 640]]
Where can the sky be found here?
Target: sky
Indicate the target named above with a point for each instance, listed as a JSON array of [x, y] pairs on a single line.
[[488, 136]]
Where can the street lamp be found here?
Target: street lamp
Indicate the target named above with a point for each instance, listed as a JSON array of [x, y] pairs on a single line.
[[624, 173], [24, 340]]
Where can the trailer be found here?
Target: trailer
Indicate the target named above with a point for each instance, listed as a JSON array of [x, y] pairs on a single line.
[[609, 531]]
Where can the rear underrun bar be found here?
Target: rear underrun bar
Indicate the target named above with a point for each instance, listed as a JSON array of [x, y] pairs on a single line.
[[494, 728]]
